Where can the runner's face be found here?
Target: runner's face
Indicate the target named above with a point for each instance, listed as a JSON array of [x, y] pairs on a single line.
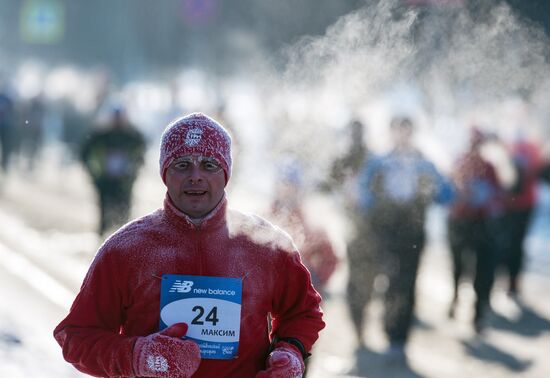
[[195, 184]]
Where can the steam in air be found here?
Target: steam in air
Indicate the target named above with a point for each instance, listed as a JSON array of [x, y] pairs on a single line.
[[444, 66]]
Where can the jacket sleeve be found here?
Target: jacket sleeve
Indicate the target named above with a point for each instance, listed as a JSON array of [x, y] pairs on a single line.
[[90, 335], [443, 189], [296, 308]]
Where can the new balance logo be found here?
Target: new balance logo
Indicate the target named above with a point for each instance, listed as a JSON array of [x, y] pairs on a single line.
[[180, 286]]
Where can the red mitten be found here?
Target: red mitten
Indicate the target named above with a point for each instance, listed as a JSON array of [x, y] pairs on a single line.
[[284, 362], [165, 354]]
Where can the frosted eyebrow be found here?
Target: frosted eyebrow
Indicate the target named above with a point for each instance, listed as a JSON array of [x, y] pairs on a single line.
[[206, 163], [199, 159], [208, 159], [187, 159]]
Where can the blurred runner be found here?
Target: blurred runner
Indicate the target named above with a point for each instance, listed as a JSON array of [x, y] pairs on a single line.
[[287, 211], [113, 157], [471, 225], [544, 173], [75, 127], [221, 115], [346, 167], [342, 182], [394, 192], [518, 205], [32, 129], [8, 132]]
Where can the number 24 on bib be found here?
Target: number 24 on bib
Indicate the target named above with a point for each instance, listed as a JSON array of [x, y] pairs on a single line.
[[211, 306]]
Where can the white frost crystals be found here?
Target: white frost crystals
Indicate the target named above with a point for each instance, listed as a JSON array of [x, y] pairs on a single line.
[[157, 363]]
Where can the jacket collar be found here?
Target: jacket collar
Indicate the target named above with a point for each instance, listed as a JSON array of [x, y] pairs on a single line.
[[180, 219]]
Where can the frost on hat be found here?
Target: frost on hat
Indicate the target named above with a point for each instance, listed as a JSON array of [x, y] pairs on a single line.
[[195, 133]]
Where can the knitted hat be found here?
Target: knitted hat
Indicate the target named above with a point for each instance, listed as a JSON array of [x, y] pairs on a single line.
[[195, 133]]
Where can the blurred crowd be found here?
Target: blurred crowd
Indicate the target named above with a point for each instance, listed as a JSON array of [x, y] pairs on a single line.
[[490, 194]]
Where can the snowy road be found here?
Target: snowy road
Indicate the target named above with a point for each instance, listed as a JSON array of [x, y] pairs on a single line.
[[47, 242], [27, 318]]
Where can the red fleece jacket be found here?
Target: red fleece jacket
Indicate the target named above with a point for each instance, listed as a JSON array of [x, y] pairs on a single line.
[[120, 297]]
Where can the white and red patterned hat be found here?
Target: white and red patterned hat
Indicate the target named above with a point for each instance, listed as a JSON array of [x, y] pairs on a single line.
[[195, 133]]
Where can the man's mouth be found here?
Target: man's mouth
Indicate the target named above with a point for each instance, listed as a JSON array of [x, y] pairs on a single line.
[[194, 192]]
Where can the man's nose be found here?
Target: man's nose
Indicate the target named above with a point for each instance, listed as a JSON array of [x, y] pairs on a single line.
[[195, 174]]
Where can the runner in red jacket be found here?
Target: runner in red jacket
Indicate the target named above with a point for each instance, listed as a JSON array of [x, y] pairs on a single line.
[[115, 325]]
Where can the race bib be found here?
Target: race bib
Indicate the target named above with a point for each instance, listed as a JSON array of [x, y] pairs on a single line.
[[211, 306]]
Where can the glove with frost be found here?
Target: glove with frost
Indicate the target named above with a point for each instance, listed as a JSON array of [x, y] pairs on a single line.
[[284, 362], [165, 354]]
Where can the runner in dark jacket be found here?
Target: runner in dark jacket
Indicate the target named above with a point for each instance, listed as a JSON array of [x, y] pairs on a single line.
[[113, 156]]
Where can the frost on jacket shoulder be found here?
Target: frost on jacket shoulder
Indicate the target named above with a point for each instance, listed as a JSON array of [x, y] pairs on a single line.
[[160, 226], [260, 231]]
